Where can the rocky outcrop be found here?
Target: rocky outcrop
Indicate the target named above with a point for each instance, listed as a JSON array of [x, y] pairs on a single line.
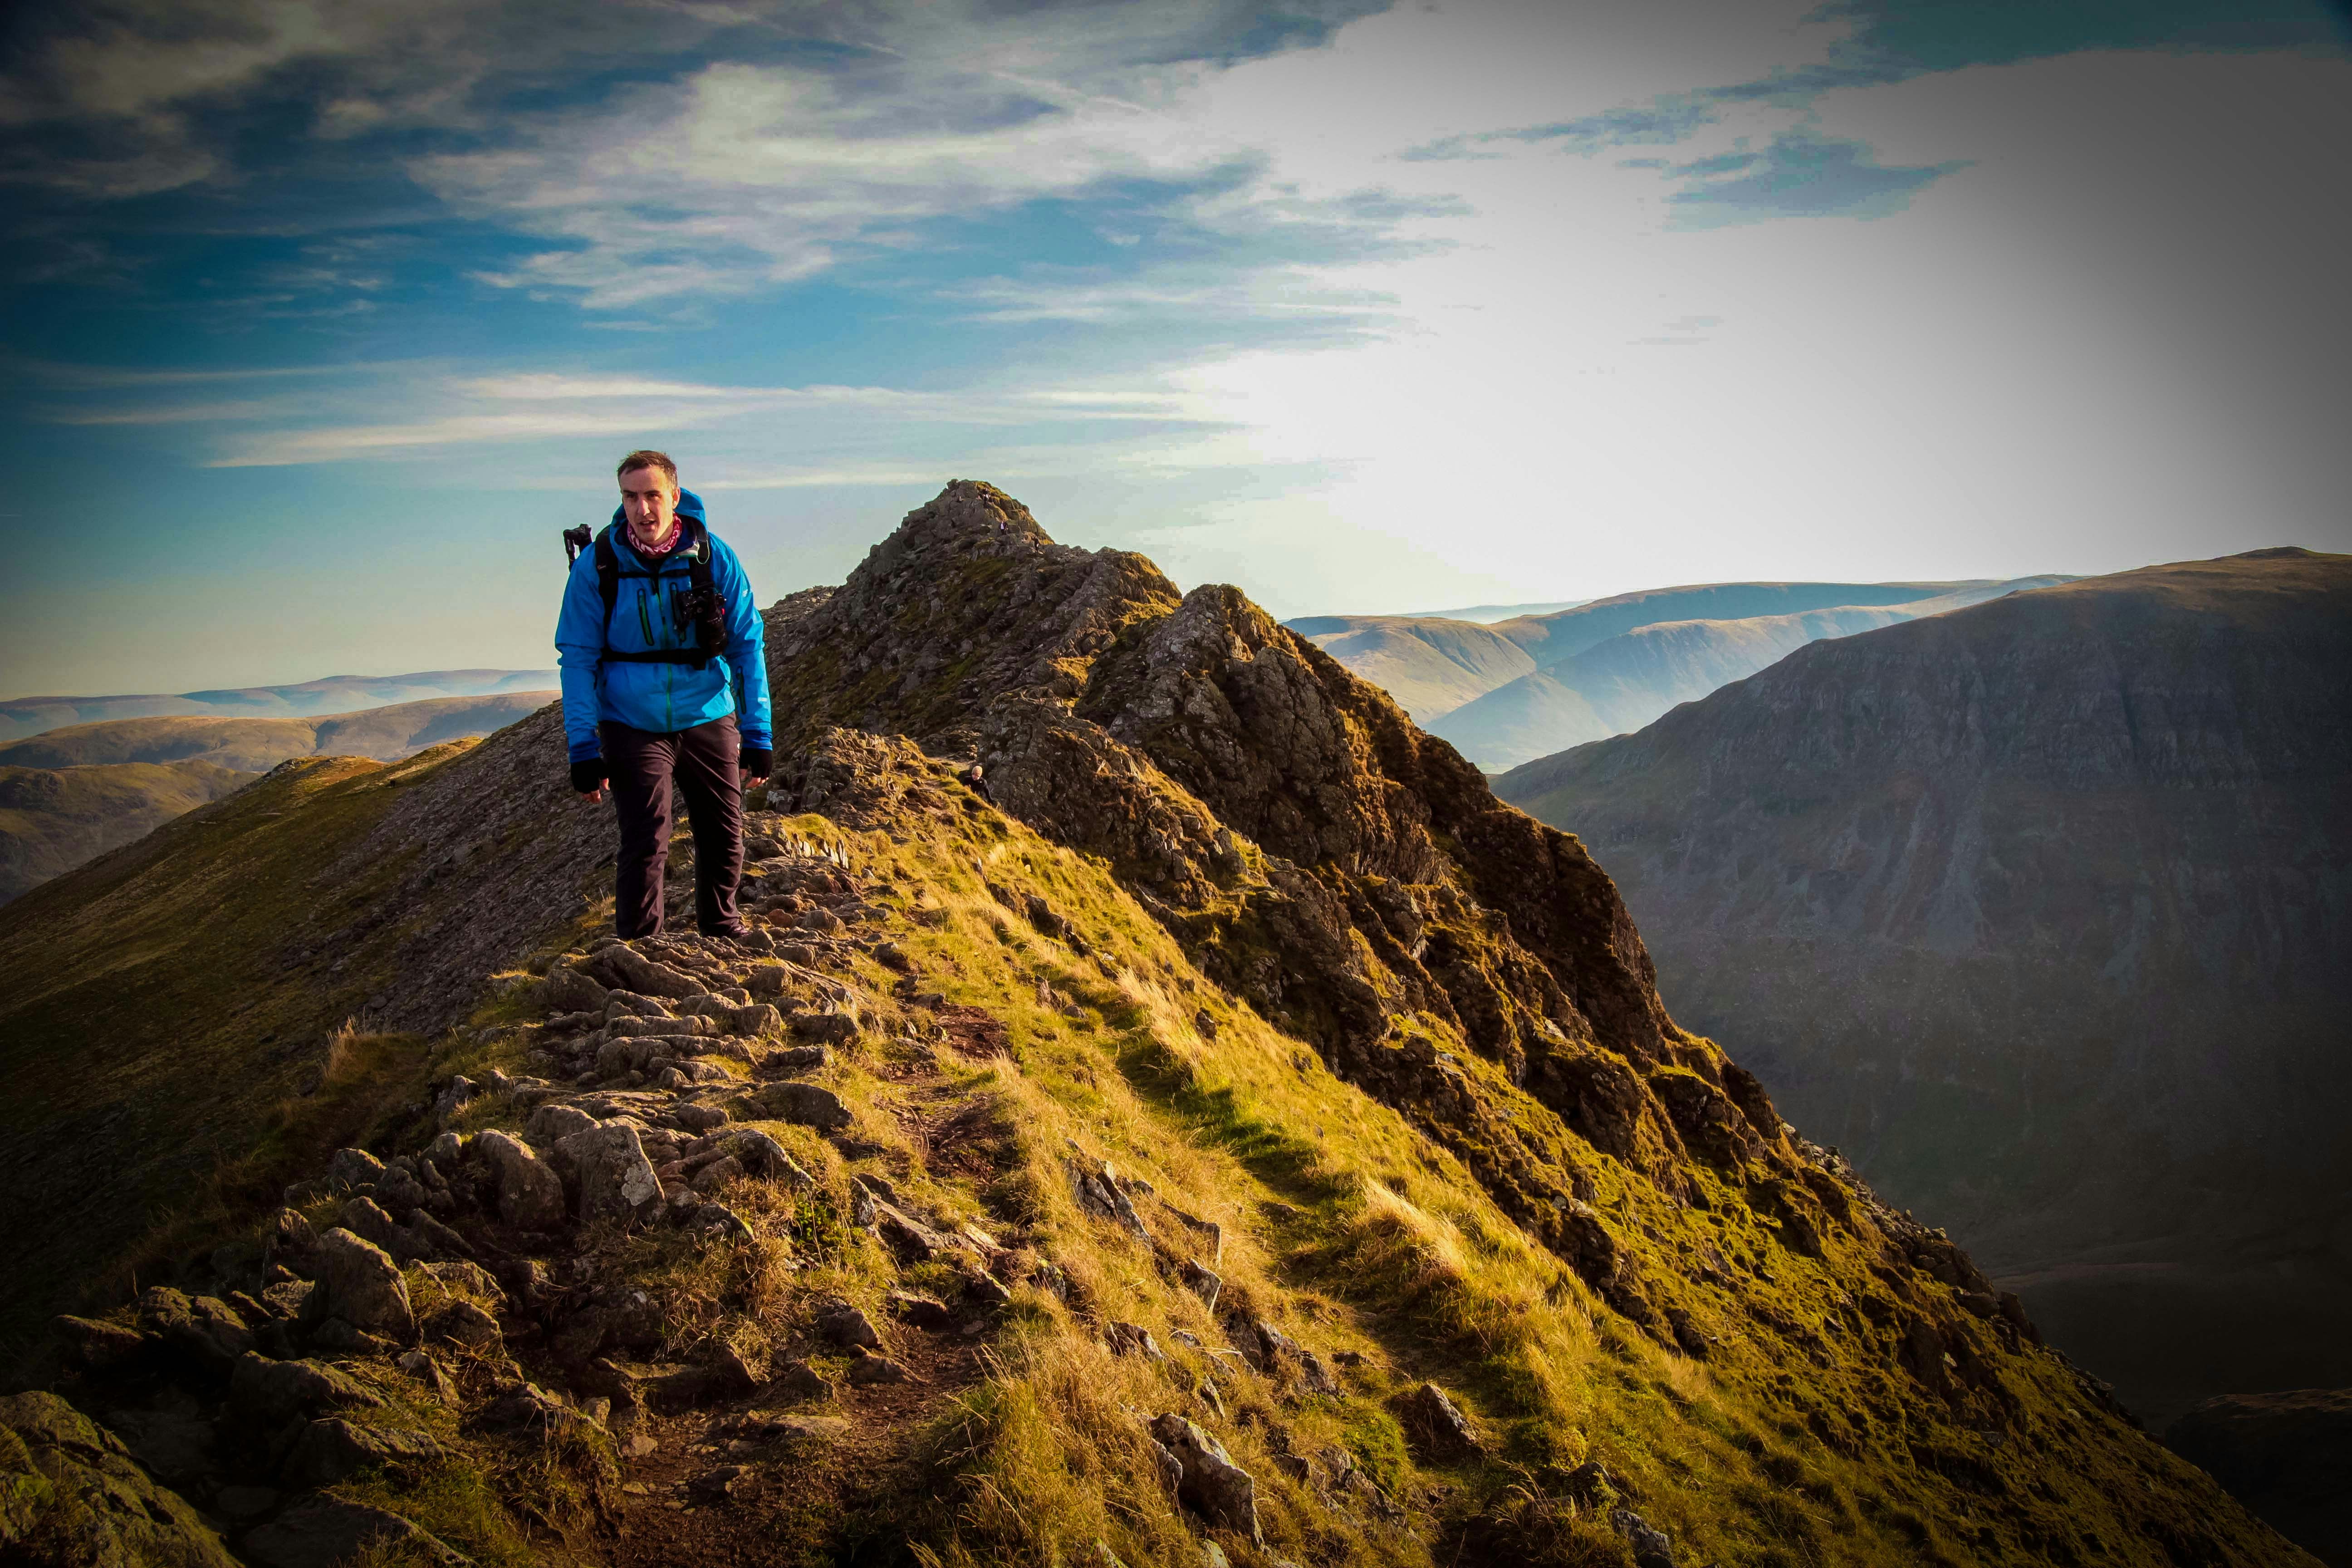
[[1320, 857], [71, 1495]]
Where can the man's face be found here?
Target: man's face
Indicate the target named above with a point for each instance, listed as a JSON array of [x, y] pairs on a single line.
[[650, 500]]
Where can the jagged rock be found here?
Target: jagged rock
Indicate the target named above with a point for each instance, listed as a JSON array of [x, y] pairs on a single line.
[[1097, 1193], [615, 1179], [700, 1118], [569, 990], [96, 1346], [365, 1218], [72, 1496], [866, 1367], [828, 1028], [844, 1324], [1442, 1433], [921, 1312], [354, 1168], [292, 1241], [1201, 1282], [201, 1327], [1650, 1547], [551, 1123], [1278, 1356], [793, 1059], [177, 1448], [687, 1387], [466, 1277], [755, 1020], [718, 1174], [526, 1406], [463, 1323], [796, 1379], [714, 1484], [1134, 1338], [1223, 1492], [1164, 1462], [805, 1105], [628, 971], [322, 1531], [982, 1293], [765, 1158], [331, 1449], [1711, 1125], [270, 1393], [361, 1284], [910, 1239]]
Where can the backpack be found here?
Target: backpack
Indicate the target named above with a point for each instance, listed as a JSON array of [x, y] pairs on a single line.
[[609, 572]]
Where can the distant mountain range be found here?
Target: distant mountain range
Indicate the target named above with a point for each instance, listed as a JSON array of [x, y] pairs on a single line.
[[1486, 615], [1524, 686], [336, 694], [2041, 910], [71, 794]]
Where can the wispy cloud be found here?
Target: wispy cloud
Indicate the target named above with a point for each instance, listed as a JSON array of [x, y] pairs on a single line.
[[1799, 174], [479, 411]]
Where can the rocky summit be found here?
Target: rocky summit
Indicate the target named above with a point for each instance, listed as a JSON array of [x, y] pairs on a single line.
[[1168, 1110]]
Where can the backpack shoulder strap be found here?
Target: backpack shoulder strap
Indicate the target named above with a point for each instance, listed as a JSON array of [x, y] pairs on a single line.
[[698, 558], [608, 577]]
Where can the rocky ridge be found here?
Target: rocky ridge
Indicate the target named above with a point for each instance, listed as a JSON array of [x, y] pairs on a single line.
[[1169, 1112]]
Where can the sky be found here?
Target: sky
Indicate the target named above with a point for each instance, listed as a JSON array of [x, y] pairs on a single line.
[[323, 319]]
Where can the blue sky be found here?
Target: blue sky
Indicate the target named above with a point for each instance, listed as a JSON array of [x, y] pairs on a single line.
[[323, 319]]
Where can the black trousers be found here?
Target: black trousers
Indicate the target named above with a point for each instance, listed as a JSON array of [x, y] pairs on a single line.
[[702, 762]]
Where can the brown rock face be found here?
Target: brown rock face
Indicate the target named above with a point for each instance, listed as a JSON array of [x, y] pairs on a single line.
[[1347, 875]]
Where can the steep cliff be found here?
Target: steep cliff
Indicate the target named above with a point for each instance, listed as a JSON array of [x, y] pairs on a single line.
[[2038, 910]]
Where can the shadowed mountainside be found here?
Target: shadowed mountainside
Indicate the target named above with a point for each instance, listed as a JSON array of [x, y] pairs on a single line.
[[2038, 910], [23, 716], [52, 820], [1228, 1126]]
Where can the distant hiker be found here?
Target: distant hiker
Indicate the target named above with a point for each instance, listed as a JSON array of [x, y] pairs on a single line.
[[665, 678]]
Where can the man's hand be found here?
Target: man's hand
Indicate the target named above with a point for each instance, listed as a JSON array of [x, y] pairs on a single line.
[[588, 779], [756, 761]]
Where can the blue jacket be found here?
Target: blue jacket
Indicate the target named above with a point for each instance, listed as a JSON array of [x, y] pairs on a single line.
[[662, 697]]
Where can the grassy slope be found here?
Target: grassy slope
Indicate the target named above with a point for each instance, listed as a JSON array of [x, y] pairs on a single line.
[[52, 820], [1387, 1248], [1745, 1459], [154, 1034]]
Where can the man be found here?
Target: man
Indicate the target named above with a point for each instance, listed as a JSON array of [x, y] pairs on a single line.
[[665, 678]]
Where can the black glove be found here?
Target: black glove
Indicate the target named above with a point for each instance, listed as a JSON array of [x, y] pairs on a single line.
[[756, 760], [588, 777]]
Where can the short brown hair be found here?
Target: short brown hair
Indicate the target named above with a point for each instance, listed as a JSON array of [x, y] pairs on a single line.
[[649, 458]]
